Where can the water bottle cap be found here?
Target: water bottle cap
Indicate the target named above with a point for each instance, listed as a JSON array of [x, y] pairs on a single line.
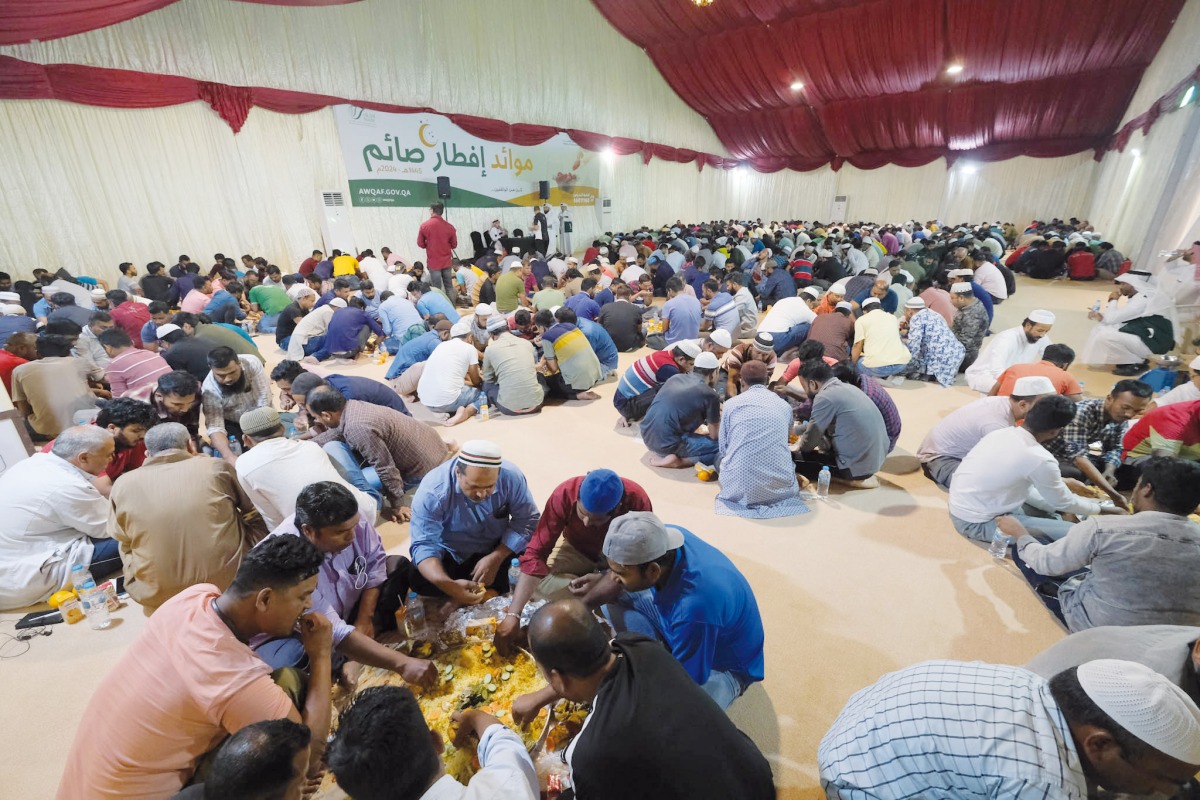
[[412, 595], [824, 469], [77, 567]]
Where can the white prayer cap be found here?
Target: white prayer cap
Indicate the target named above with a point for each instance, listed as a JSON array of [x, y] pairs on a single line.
[[1195, 363], [912, 302], [811, 291], [572, 260], [706, 360], [961, 288], [721, 338], [870, 301], [844, 305], [693, 249], [1041, 316], [163, 330], [870, 271], [337, 302], [12, 310], [298, 291], [721, 240], [961, 273], [845, 245], [603, 251], [1033, 385], [98, 293], [825, 253], [496, 323], [839, 287], [1146, 704], [689, 348], [460, 328], [10, 297], [554, 309], [480, 453], [516, 251], [484, 310]]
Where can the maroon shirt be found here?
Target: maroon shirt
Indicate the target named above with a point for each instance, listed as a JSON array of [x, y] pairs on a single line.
[[307, 266], [437, 238], [559, 519], [130, 317]]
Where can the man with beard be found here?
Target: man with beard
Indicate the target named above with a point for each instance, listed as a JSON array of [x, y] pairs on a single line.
[[127, 420], [1021, 345], [235, 384]]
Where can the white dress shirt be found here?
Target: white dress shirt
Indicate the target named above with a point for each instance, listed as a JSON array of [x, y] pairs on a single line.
[[273, 472], [50, 510], [376, 272], [315, 323], [961, 430], [1184, 393], [988, 276], [1007, 469], [785, 315], [507, 772], [1007, 348], [856, 261]]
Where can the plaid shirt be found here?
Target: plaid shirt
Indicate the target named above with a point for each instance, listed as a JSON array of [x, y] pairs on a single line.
[[1090, 425]]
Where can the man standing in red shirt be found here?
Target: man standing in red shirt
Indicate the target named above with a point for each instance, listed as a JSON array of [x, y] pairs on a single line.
[[438, 238], [128, 315]]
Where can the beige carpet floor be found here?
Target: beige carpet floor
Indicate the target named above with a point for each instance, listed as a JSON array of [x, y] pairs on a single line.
[[864, 584]]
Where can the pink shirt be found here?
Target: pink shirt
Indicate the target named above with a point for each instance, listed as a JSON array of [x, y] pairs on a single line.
[[134, 373], [195, 302], [183, 686]]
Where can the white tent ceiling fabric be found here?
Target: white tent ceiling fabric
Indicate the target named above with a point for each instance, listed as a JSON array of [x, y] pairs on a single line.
[[87, 187]]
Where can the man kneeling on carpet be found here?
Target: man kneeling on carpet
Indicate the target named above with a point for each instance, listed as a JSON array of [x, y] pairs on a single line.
[[190, 679], [684, 403], [353, 579]]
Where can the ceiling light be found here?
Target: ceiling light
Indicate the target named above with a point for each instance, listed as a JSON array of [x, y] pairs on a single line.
[[969, 169], [1188, 95], [954, 69], [610, 155], [797, 86], [702, 3], [1136, 153]]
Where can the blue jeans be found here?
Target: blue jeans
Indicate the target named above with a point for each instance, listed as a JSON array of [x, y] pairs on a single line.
[[313, 345], [790, 338], [360, 476], [880, 372], [695, 447], [268, 323], [1053, 529], [469, 396], [106, 558], [635, 612]]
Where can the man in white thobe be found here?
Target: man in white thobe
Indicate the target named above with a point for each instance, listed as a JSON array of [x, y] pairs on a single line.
[[1107, 344], [565, 224], [1023, 344]]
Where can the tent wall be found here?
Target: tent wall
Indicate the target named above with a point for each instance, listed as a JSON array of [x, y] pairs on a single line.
[[88, 188]]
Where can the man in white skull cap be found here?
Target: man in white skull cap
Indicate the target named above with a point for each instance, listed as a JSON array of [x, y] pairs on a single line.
[[1127, 336], [950, 729], [1023, 344]]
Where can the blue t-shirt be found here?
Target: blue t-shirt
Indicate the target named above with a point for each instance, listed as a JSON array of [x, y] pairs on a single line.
[[682, 312], [583, 306], [432, 302], [414, 351], [709, 614], [11, 325], [368, 391], [602, 344], [604, 297]]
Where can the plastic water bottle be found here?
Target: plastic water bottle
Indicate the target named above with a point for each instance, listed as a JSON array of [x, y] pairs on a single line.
[[999, 546], [1096, 307], [823, 481], [235, 445], [414, 617], [485, 413], [94, 603], [514, 574]]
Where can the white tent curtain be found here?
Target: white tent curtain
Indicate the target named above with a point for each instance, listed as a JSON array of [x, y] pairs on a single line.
[[1178, 56], [533, 61], [88, 188]]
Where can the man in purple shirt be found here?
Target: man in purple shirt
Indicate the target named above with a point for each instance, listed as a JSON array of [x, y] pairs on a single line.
[[583, 302], [680, 315], [348, 332], [355, 574]]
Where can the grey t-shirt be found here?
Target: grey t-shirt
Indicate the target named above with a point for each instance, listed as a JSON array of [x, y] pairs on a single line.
[[1166, 649], [509, 361], [854, 425]]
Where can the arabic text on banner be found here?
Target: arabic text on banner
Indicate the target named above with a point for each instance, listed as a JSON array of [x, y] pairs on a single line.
[[396, 159]]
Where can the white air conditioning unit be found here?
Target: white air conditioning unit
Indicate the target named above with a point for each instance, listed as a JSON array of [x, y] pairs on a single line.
[[606, 210], [334, 213], [837, 212]]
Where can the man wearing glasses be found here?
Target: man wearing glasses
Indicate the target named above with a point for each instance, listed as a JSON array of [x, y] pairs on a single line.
[[350, 583]]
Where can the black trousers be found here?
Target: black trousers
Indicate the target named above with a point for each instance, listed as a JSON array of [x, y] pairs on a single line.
[[404, 577]]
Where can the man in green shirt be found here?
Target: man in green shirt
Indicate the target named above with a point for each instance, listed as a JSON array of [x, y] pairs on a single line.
[[550, 296], [271, 300], [510, 292], [510, 377]]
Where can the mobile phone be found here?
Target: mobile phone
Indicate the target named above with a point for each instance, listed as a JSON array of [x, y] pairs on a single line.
[[39, 618]]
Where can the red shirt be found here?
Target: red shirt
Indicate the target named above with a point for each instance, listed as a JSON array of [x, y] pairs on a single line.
[[9, 362], [1081, 265], [1175, 428], [124, 459], [130, 316], [559, 519], [437, 238], [307, 266]]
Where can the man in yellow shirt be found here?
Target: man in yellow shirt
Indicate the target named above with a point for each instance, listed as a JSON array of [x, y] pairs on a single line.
[[878, 349], [345, 264]]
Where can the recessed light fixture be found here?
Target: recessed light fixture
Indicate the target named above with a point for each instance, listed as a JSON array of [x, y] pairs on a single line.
[[969, 169], [954, 69], [797, 86], [1188, 95], [609, 154], [1136, 153]]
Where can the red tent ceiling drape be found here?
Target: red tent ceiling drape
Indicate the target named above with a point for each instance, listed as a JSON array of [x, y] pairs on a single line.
[[1039, 79]]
